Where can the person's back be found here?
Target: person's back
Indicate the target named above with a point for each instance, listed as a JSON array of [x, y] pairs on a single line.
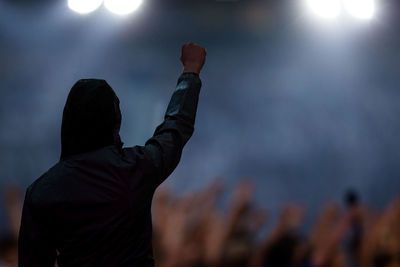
[[94, 205]]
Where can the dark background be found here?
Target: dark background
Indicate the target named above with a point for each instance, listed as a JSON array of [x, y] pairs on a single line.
[[303, 107]]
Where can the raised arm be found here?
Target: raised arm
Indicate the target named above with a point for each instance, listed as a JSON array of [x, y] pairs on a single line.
[[164, 149]]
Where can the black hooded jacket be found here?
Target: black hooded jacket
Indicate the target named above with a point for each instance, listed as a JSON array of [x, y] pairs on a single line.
[[94, 205]]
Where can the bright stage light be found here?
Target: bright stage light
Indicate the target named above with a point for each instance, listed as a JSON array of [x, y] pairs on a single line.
[[362, 9], [84, 6], [122, 7], [326, 8]]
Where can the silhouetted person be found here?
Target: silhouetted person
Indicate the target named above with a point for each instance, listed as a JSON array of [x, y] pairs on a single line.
[[353, 238], [8, 250], [94, 205]]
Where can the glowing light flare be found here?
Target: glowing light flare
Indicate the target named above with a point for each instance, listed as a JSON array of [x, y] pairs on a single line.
[[328, 9], [361, 9], [84, 6], [122, 7]]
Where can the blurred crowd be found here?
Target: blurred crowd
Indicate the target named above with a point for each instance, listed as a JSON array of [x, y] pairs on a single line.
[[193, 230]]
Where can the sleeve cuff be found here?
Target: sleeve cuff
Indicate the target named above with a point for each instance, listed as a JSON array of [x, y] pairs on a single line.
[[190, 77]]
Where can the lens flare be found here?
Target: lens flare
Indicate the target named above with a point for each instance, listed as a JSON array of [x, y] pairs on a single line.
[[122, 7], [328, 9], [84, 6], [361, 9]]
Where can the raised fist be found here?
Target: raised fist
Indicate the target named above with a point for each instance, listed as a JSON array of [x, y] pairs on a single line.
[[193, 57]]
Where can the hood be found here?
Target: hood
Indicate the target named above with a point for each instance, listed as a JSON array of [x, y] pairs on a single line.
[[91, 118]]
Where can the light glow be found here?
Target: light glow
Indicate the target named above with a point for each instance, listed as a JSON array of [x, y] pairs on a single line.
[[328, 9], [361, 9], [122, 7], [84, 6]]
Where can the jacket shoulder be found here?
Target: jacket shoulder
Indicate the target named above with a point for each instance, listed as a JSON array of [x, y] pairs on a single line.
[[35, 190]]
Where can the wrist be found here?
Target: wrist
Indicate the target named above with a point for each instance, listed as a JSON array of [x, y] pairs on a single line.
[[191, 69]]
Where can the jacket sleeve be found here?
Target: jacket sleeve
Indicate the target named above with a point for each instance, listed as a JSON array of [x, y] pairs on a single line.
[[34, 246], [164, 149]]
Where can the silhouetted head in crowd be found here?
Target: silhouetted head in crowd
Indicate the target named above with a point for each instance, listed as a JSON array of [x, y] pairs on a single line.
[[8, 249], [91, 118], [386, 260], [351, 198], [282, 253]]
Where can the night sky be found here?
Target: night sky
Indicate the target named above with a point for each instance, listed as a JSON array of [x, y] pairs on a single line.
[[305, 108]]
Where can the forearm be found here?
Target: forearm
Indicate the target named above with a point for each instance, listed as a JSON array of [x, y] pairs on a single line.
[[166, 145], [183, 104], [181, 112]]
